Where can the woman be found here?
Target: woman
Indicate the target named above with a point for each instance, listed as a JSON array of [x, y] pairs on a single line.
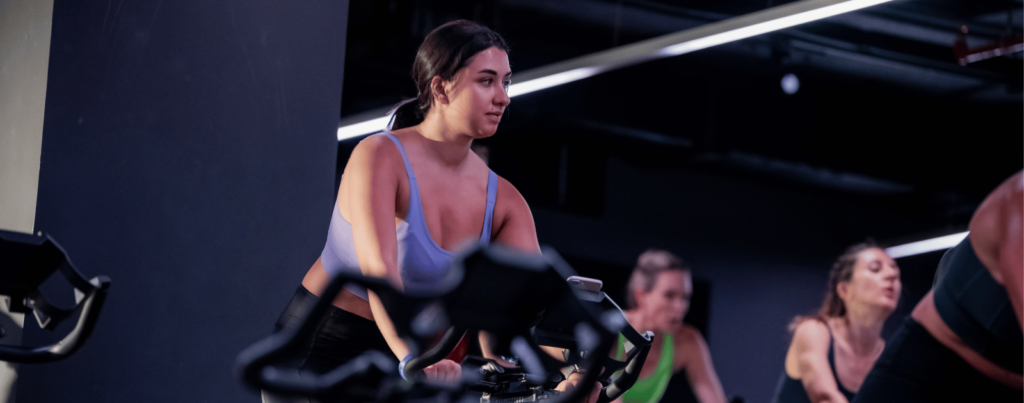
[[410, 196], [964, 341], [832, 352], [657, 298]]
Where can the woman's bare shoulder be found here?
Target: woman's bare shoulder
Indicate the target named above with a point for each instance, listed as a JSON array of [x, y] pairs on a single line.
[[513, 220], [811, 333], [687, 337], [375, 152], [509, 201]]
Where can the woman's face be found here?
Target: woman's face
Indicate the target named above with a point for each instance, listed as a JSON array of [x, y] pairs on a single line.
[[479, 94], [668, 301], [875, 281]]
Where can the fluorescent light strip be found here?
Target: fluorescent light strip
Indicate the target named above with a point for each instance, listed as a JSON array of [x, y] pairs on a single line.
[[767, 26], [638, 52], [541, 83], [928, 245], [367, 127], [537, 84]]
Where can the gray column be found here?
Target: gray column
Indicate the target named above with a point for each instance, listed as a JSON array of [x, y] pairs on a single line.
[[24, 57]]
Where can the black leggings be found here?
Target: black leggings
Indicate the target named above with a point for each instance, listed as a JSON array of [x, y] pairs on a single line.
[[339, 336], [917, 368]]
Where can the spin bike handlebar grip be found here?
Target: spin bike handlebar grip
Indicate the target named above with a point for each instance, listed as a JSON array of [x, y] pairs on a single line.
[[629, 375], [91, 306], [448, 343]]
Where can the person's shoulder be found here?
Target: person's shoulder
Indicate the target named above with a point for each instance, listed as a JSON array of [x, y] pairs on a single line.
[[687, 337], [689, 345], [686, 334], [508, 198], [377, 150], [811, 333]]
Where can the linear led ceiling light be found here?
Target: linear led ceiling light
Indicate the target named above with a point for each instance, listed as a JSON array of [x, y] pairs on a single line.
[[702, 37], [925, 246]]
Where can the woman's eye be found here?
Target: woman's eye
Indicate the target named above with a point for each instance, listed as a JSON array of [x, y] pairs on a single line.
[[506, 83], [487, 81]]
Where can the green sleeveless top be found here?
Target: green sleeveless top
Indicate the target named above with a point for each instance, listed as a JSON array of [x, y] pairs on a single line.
[[650, 389]]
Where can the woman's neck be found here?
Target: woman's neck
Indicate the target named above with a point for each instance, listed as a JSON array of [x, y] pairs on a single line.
[[640, 322], [446, 145], [863, 330]]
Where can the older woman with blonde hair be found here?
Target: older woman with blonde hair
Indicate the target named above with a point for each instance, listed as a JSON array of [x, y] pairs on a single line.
[[658, 297]]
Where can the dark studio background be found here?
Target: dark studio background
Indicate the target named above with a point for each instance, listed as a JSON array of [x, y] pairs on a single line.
[[189, 152]]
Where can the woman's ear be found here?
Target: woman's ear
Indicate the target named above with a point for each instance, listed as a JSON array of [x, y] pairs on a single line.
[[843, 289], [638, 297], [438, 90]]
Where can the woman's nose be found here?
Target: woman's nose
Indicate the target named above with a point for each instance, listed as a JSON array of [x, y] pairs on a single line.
[[502, 98]]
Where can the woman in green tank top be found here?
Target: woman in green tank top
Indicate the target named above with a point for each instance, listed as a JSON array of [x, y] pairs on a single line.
[[658, 297]]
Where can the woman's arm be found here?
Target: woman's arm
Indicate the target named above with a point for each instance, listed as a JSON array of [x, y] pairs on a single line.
[[513, 225], [998, 238], [370, 190], [810, 346], [691, 353]]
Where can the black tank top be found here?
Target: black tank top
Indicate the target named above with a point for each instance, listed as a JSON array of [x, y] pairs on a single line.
[[977, 309], [792, 390]]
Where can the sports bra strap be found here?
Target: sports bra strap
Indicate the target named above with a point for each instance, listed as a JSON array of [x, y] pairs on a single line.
[[492, 191], [405, 158]]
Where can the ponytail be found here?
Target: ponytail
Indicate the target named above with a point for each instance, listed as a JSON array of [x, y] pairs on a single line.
[[406, 113]]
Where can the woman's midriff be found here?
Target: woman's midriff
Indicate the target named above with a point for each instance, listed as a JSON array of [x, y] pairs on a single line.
[[316, 280], [350, 302], [926, 314]]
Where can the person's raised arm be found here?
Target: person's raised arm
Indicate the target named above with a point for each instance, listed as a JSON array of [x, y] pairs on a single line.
[[810, 342], [998, 238], [370, 189], [694, 355]]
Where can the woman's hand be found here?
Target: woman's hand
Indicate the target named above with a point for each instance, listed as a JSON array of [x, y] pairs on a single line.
[[444, 371], [571, 383]]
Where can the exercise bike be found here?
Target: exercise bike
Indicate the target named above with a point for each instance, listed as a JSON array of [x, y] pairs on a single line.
[[26, 262], [523, 301]]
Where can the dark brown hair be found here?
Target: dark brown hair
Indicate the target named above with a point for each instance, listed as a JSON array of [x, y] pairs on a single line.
[[443, 52], [648, 265], [842, 271]]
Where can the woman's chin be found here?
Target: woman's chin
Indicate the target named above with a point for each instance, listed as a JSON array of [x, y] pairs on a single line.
[[673, 326], [486, 132], [887, 307]]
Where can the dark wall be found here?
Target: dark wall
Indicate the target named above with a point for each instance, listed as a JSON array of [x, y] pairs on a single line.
[[188, 153]]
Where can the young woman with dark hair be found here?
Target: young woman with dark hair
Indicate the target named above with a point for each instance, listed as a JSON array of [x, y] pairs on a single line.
[[833, 351], [410, 196], [657, 298], [964, 341]]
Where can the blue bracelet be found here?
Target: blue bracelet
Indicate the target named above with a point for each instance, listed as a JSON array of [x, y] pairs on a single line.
[[401, 366]]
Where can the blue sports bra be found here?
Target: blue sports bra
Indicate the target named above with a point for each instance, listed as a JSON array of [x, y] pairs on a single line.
[[422, 263]]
